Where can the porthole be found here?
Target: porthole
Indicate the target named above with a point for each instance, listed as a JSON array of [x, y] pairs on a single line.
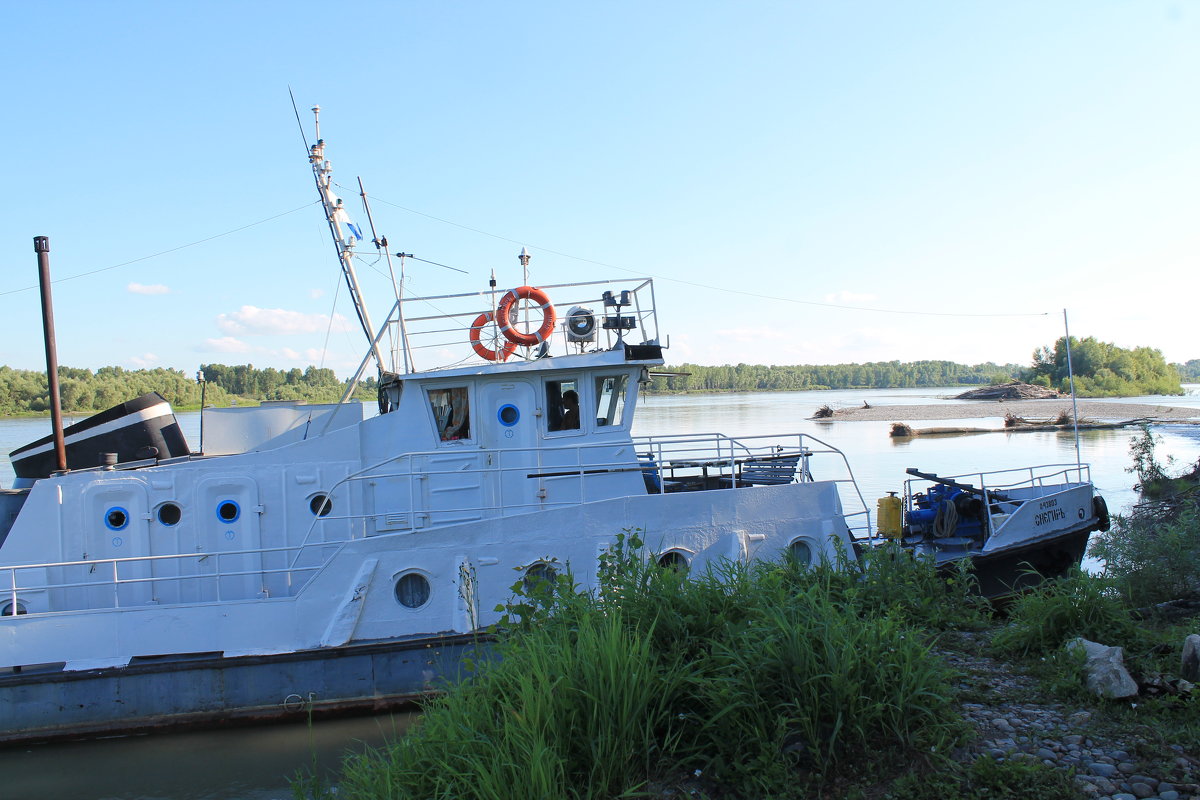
[[540, 574], [674, 560], [800, 552], [320, 505], [169, 514], [7, 611], [116, 518], [412, 590], [228, 511], [508, 415]]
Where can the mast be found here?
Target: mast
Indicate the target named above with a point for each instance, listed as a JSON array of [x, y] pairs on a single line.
[[345, 233]]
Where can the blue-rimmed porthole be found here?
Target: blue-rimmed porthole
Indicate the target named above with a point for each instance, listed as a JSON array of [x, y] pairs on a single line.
[[116, 518], [228, 511], [508, 415]]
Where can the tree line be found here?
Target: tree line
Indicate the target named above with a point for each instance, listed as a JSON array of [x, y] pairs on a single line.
[[1189, 372], [84, 391], [1104, 370], [1101, 370], [873, 375]]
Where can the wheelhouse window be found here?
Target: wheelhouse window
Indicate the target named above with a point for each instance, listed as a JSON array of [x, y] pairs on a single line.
[[562, 405], [610, 399], [451, 413]]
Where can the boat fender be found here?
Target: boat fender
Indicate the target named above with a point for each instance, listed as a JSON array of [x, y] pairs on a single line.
[[483, 350], [1100, 507], [535, 295]]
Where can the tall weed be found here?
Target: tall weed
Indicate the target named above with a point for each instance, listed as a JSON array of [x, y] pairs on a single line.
[[1043, 619], [756, 676]]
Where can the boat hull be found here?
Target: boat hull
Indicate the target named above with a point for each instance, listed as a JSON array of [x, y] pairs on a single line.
[[207, 690], [1008, 572]]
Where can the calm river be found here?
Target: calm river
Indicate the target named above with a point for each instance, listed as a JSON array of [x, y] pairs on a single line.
[[255, 763]]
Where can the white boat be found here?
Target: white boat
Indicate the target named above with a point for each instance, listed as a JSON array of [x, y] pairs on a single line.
[[310, 558], [1016, 525]]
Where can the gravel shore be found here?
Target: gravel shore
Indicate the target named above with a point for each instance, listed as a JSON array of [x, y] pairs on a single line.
[[1089, 410], [1013, 722]]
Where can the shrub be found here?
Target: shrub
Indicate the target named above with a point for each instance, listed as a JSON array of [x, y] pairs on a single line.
[[1043, 619]]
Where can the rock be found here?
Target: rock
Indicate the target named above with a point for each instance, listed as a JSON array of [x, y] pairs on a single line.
[[1168, 794], [1106, 673], [1047, 754], [1123, 796], [1141, 790], [1190, 667], [1103, 770]]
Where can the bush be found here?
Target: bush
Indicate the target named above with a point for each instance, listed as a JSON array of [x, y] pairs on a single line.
[[1043, 619], [1153, 554]]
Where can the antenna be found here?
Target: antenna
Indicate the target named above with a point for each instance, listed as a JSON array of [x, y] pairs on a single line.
[[1074, 403], [397, 288], [299, 124]]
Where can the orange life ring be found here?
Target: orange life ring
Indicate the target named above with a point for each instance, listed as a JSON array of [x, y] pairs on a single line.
[[549, 317], [480, 348]]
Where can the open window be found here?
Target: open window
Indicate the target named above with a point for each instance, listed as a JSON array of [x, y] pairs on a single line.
[[451, 413], [610, 399], [562, 405]]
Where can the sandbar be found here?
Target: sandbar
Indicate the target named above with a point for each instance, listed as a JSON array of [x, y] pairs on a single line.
[[1031, 410]]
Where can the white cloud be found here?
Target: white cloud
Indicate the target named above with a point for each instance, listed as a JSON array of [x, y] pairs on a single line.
[[251, 320], [227, 344], [144, 360], [154, 288], [316, 294]]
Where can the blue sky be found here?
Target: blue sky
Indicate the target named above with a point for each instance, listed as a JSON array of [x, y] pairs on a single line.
[[970, 169]]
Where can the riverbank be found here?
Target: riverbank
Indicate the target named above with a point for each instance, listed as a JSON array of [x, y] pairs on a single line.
[[1100, 411]]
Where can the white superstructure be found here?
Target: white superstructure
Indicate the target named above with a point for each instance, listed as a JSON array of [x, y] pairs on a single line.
[[306, 529]]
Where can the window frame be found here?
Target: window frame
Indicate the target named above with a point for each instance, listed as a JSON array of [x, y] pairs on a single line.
[[469, 388], [579, 390]]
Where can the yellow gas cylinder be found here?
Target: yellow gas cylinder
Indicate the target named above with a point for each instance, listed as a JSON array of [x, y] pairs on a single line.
[[888, 516]]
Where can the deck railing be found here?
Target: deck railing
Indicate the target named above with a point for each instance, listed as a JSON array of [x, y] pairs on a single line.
[[498, 478]]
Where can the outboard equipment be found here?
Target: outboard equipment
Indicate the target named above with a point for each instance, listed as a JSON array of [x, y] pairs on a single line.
[[142, 428], [946, 511]]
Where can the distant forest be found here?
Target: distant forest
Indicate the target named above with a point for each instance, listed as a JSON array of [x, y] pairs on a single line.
[[1101, 370], [1189, 372], [25, 392], [874, 375]]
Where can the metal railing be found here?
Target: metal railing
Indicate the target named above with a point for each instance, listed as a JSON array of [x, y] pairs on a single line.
[[501, 479]]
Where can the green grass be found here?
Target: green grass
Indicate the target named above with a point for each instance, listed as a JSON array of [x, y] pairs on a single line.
[[754, 681]]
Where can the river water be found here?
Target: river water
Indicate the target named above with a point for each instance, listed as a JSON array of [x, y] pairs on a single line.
[[256, 763]]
